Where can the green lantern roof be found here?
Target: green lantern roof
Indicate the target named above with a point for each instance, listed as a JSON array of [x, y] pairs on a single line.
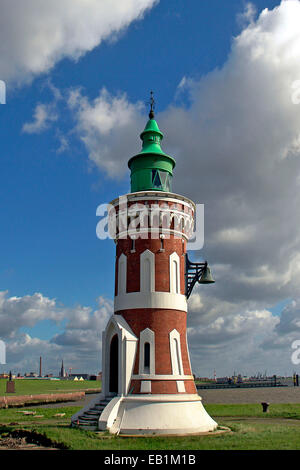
[[151, 168]]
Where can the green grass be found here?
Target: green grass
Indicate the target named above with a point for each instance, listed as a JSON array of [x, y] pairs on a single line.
[[254, 410], [251, 430], [35, 387]]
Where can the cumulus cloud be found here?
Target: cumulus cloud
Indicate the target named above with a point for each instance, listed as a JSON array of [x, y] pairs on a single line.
[[111, 121], [17, 312], [79, 343], [40, 34], [237, 146]]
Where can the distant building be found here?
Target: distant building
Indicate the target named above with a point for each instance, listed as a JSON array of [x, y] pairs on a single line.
[[30, 374], [84, 376], [62, 370]]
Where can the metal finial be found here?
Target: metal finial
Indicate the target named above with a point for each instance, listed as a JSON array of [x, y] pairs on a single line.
[[152, 105]]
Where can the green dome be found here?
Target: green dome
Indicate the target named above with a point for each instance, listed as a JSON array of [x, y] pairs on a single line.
[[151, 169]]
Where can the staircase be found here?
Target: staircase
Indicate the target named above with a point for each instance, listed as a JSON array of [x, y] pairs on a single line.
[[89, 419]]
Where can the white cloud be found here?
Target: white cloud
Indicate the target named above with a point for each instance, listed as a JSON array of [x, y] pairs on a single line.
[[79, 344], [16, 312], [248, 15], [43, 116], [111, 121], [41, 33], [63, 143]]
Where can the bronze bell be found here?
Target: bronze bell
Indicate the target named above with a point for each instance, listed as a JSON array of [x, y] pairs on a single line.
[[206, 277]]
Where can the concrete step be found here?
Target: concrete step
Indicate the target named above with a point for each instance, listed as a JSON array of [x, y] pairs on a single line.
[[89, 419], [103, 403], [87, 427], [85, 418]]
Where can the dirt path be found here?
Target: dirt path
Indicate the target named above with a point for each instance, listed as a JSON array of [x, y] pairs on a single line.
[[20, 443]]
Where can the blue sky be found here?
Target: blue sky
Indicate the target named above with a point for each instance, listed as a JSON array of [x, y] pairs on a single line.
[[53, 174]]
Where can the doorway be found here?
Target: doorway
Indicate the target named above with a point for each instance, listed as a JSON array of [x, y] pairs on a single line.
[[114, 365]]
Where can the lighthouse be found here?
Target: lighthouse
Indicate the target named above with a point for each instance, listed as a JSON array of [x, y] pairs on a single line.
[[147, 382]]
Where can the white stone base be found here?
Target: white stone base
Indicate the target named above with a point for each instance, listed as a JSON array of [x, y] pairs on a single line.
[[156, 414]]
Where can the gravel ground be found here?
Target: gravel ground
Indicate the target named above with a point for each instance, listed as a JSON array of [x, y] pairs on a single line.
[[13, 443], [251, 395]]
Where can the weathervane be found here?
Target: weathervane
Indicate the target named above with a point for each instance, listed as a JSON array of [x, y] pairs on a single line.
[[152, 104]]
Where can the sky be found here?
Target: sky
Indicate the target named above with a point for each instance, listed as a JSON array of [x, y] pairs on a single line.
[[226, 79]]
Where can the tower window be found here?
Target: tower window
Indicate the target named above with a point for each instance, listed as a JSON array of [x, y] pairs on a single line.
[[156, 179], [132, 245], [147, 271], [122, 274], [146, 358], [174, 273], [163, 176], [178, 369], [147, 352], [162, 243], [175, 349], [161, 180]]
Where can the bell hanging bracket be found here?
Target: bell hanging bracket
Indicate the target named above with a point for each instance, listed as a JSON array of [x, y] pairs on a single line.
[[196, 272]]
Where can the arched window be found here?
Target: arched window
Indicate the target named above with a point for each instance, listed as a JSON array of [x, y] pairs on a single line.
[[147, 352], [177, 357], [132, 245], [175, 350], [174, 273], [122, 274], [147, 271], [146, 358]]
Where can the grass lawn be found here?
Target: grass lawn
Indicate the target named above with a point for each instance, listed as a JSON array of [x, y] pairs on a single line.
[[33, 386], [251, 430]]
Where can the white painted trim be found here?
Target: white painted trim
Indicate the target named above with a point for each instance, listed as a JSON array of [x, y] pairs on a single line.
[[127, 352], [147, 336], [109, 415], [156, 195], [122, 274], [144, 231], [163, 397], [160, 414], [161, 377], [174, 270], [146, 386], [160, 300], [188, 353], [180, 386], [147, 271], [175, 348]]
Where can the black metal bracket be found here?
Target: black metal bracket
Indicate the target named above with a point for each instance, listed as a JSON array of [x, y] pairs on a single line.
[[193, 273]]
